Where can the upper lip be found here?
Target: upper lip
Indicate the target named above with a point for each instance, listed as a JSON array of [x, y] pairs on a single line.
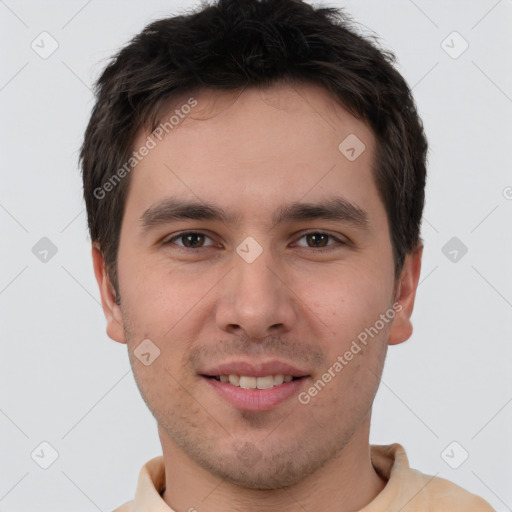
[[253, 369]]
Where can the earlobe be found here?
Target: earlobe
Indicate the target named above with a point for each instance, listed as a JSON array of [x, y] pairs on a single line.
[[111, 309], [401, 330]]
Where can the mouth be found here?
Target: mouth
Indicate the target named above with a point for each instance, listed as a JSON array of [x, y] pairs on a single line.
[[251, 393], [252, 385], [252, 382]]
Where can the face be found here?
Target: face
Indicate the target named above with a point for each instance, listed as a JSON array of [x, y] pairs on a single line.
[[252, 246]]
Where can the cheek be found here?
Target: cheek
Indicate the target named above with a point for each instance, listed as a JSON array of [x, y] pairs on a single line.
[[156, 296], [164, 389], [168, 309], [347, 301]]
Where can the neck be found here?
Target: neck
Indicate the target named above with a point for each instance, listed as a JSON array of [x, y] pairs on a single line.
[[347, 482]]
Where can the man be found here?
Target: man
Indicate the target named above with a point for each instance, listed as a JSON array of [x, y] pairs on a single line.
[[254, 177]]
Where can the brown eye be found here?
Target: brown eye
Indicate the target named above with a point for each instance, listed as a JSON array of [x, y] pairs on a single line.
[[320, 240], [317, 239], [189, 240], [192, 240]]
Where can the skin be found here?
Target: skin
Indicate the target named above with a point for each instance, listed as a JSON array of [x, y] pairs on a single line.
[[251, 153]]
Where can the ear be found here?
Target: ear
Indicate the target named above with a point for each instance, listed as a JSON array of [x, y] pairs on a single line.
[[115, 329], [401, 329]]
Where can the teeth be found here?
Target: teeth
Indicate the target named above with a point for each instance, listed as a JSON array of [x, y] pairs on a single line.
[[247, 382], [265, 382], [278, 380]]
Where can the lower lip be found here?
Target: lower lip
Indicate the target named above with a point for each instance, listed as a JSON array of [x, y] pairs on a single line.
[[256, 399]]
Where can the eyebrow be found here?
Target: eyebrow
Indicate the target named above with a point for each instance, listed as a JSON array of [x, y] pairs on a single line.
[[173, 209]]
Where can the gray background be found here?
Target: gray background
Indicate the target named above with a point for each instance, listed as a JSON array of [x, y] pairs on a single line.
[[64, 382]]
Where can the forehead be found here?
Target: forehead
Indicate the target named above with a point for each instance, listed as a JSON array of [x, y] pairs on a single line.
[[254, 148]]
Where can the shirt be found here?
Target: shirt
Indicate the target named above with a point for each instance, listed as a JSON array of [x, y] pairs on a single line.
[[406, 490]]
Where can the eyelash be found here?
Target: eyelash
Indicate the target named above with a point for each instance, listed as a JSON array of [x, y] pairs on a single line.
[[329, 247]]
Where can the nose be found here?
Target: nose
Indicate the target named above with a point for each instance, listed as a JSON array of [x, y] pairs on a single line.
[[255, 299]]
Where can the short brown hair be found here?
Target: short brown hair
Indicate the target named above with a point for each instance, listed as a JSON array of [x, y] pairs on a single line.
[[238, 43]]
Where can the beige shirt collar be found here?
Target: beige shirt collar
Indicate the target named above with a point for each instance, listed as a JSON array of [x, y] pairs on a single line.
[[406, 490]]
